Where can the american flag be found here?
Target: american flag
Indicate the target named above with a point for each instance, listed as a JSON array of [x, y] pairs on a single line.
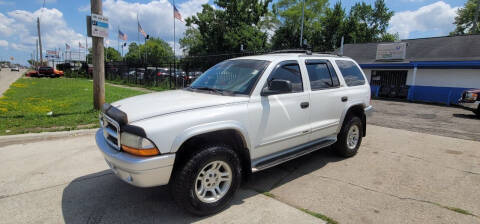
[[122, 36], [67, 47], [176, 13], [80, 45], [141, 30]]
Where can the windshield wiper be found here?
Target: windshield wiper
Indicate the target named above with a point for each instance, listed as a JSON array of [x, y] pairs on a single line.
[[218, 91]]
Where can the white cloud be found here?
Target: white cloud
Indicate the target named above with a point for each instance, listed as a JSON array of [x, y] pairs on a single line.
[[21, 25], [156, 17], [436, 18], [85, 8], [3, 43]]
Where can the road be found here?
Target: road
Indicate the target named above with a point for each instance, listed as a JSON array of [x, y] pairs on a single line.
[[7, 77], [398, 176]]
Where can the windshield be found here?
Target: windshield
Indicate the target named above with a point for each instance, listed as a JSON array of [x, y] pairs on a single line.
[[234, 76]]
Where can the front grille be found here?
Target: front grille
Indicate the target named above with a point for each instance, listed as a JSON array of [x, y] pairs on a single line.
[[111, 131]]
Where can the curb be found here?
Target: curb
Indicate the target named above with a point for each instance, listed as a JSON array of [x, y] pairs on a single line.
[[43, 136]]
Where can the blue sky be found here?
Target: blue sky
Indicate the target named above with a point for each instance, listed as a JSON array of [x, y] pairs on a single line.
[[63, 21]]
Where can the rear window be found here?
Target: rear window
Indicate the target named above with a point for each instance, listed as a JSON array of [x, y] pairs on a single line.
[[351, 73]]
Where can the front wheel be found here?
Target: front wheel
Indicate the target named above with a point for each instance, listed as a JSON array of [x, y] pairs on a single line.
[[207, 182], [350, 137]]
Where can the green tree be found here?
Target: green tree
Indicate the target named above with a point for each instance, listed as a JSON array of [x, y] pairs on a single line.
[[290, 13], [464, 19], [110, 54], [367, 24], [225, 30], [154, 52]]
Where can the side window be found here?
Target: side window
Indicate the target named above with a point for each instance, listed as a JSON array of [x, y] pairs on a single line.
[[351, 73], [322, 75], [290, 72]]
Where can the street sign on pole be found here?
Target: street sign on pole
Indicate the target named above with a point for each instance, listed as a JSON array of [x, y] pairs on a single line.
[[99, 26]]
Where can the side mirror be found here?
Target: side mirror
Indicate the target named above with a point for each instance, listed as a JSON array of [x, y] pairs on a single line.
[[277, 86]]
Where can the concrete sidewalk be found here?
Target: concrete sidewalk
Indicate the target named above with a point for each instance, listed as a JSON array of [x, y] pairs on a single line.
[[67, 181], [398, 176]]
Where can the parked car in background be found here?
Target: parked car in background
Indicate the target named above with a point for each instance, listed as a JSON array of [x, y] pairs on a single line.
[[241, 116], [15, 69], [163, 72], [470, 100], [47, 71], [32, 73]]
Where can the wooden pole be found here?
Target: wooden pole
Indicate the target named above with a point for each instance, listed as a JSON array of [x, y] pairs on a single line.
[[98, 62]]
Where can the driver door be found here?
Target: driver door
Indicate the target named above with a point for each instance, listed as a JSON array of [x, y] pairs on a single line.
[[281, 121]]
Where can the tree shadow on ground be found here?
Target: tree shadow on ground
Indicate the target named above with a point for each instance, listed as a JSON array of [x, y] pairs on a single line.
[[103, 198]]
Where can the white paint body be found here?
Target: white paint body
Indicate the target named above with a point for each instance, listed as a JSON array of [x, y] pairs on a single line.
[[268, 124]]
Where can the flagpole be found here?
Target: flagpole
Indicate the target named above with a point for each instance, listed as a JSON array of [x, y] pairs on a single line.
[[138, 39], [118, 36], [174, 59]]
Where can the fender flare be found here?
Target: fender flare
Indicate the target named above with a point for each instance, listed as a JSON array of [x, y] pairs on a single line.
[[210, 127], [344, 114]]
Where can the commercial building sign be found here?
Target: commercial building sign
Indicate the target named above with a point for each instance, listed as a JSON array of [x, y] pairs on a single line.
[[392, 51], [99, 26]]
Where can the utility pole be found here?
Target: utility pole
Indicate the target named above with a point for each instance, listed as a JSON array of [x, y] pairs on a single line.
[[39, 40], [98, 61], [301, 28], [475, 19], [36, 56]]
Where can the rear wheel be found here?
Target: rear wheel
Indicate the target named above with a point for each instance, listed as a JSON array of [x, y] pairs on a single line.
[[207, 181], [350, 137]]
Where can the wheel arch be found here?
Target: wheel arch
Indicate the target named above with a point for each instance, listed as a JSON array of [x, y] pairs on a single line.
[[358, 110], [228, 133]]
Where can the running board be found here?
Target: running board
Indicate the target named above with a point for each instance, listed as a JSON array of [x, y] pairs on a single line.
[[289, 154]]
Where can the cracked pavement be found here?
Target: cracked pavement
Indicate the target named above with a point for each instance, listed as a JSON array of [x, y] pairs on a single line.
[[398, 176]]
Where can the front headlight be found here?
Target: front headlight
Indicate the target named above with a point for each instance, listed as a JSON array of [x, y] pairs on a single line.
[[471, 96], [137, 145]]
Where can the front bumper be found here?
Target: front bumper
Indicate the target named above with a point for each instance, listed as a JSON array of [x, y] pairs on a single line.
[[135, 170], [368, 111], [472, 106]]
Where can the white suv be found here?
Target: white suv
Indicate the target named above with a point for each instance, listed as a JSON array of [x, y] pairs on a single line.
[[241, 116]]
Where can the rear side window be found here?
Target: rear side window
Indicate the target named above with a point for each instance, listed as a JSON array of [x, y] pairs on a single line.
[[322, 75], [351, 73], [288, 71]]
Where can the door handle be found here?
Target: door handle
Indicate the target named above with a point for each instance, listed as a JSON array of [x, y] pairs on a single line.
[[344, 99], [304, 105]]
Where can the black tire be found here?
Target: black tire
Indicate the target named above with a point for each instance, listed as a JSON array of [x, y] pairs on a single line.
[[341, 146], [183, 180]]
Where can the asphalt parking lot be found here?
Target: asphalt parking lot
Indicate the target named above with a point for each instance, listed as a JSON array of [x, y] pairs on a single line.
[[398, 176], [426, 118]]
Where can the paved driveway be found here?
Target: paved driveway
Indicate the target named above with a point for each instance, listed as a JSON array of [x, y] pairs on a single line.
[[427, 118], [7, 77], [398, 177]]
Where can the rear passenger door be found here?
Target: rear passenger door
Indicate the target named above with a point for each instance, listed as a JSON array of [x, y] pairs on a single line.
[[326, 103]]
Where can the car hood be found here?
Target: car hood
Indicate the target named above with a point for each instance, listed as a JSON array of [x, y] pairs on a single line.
[[166, 102], [474, 90]]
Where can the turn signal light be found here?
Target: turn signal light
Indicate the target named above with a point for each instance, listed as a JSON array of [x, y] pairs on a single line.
[[141, 152]]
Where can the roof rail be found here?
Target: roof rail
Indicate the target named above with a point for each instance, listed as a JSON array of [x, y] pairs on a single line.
[[303, 51]]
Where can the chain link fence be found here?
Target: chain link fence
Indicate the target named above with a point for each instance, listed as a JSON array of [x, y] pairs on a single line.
[[173, 73]]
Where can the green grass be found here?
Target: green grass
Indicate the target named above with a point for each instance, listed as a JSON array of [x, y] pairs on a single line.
[[312, 213], [320, 216], [26, 104]]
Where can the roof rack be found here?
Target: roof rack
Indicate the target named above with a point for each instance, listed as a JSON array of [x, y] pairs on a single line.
[[303, 51]]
